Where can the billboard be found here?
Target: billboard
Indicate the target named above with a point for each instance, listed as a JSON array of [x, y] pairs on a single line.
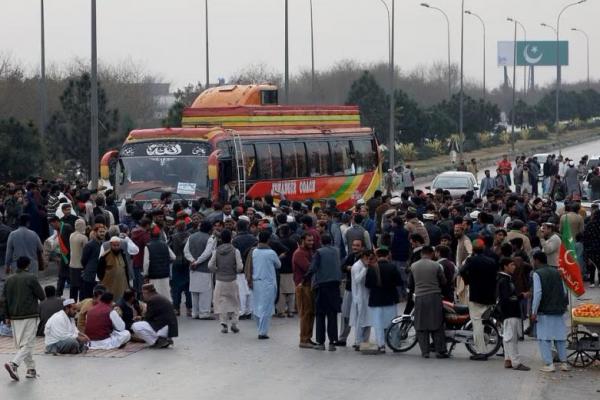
[[539, 53]]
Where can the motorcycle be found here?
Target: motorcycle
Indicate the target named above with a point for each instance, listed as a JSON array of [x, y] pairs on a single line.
[[402, 336]]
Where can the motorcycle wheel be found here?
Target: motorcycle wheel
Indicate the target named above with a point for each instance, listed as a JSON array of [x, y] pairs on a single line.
[[493, 339], [401, 336]]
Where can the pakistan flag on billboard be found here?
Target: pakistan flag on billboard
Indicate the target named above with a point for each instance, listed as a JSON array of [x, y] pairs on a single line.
[[542, 53]]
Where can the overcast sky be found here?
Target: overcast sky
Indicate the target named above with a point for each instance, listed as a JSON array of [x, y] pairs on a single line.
[[167, 36]]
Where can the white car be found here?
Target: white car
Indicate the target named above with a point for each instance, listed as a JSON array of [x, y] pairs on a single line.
[[456, 182]]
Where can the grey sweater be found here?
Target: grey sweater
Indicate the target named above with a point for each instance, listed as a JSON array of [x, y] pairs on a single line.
[[226, 263], [326, 266], [427, 277]]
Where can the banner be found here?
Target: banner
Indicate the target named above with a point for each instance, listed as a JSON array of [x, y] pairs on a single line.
[[538, 53], [568, 265]]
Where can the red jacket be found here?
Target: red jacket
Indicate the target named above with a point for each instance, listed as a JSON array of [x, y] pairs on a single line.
[[301, 263], [140, 237], [98, 325], [505, 167]]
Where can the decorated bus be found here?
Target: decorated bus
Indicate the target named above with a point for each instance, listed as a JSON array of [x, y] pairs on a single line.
[[238, 140]]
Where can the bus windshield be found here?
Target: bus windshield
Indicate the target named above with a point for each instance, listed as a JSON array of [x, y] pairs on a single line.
[[186, 176]]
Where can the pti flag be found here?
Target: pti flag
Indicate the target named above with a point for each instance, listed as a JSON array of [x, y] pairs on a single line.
[[568, 265]]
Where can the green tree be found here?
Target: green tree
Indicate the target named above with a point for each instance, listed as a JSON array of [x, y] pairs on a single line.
[[373, 104], [410, 119], [183, 98], [69, 129], [20, 149]]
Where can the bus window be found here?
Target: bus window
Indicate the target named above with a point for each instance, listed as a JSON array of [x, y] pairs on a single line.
[[340, 155], [269, 160], [365, 156], [318, 158], [294, 160], [250, 161]]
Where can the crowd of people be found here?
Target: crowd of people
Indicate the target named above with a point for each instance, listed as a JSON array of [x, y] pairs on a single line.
[[131, 271]]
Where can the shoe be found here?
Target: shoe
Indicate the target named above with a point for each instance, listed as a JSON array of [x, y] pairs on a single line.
[[319, 347], [548, 368], [478, 357], [442, 356], [195, 316], [262, 337], [207, 318], [161, 343], [188, 312], [280, 315], [425, 355], [592, 285], [340, 343], [522, 367], [508, 364], [312, 342], [290, 315], [12, 370], [306, 346], [564, 367], [381, 350], [332, 347], [170, 341], [234, 328], [31, 374], [177, 313], [224, 328], [245, 316], [356, 347]]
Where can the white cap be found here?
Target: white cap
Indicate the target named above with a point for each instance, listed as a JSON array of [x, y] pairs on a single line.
[[429, 217], [244, 218], [395, 201], [474, 214], [289, 219], [360, 202], [115, 239], [68, 302], [572, 163]]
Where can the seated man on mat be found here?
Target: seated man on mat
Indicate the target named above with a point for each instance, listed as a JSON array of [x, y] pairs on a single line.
[[104, 326], [61, 334]]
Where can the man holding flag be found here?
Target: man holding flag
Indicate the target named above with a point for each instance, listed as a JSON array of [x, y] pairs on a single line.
[[63, 234]]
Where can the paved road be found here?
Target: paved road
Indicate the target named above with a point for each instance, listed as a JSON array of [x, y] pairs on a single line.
[[207, 364]]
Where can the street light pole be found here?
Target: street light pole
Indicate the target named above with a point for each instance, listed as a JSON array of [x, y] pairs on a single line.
[[94, 105], [43, 90], [558, 72], [514, 85], [312, 55], [287, 71], [391, 141], [426, 5], [587, 40], [206, 29], [468, 12], [524, 66], [461, 97]]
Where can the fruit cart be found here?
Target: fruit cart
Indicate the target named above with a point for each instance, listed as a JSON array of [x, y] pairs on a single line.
[[583, 343]]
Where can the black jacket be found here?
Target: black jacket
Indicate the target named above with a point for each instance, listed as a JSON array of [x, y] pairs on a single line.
[[508, 300], [383, 285], [479, 272], [160, 313]]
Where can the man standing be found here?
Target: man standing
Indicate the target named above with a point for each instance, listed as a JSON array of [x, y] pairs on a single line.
[[262, 278], [180, 276], [112, 268], [547, 309], [487, 184], [23, 242], [550, 244], [357, 249], [158, 257], [572, 182], [426, 279], [479, 272], [21, 294], [326, 274], [244, 241], [408, 178], [140, 235], [464, 249], [61, 241], [89, 261], [160, 322], [304, 296], [591, 244], [61, 334], [77, 242], [104, 326], [504, 168], [572, 217], [201, 283], [360, 314]]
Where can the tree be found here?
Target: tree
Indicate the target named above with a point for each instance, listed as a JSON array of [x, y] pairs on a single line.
[[69, 129], [20, 149], [183, 98], [410, 119], [373, 104]]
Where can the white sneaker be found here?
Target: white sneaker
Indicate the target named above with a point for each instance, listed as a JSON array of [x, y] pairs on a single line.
[[592, 285], [548, 368], [565, 367]]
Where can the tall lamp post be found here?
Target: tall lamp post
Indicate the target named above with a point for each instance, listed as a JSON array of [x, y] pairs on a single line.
[[426, 5], [287, 59], [587, 40], [206, 29], [461, 111], [94, 167], [469, 12], [312, 54], [43, 91], [558, 72], [514, 85], [524, 66], [391, 141]]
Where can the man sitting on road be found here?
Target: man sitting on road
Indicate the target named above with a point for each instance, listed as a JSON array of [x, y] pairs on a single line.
[[104, 326], [61, 334], [160, 323]]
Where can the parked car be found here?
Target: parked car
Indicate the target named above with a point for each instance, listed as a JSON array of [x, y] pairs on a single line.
[[456, 182]]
